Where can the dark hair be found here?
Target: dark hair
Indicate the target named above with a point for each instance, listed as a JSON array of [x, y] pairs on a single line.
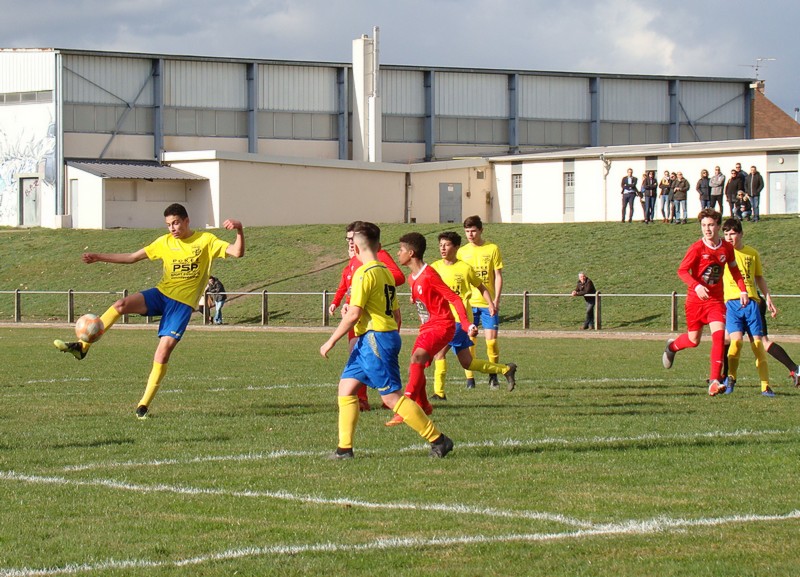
[[453, 237], [732, 224], [352, 226], [176, 210], [368, 231], [710, 213], [475, 221], [416, 242]]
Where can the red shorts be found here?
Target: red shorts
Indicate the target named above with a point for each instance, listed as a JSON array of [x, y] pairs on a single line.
[[701, 313], [433, 338]]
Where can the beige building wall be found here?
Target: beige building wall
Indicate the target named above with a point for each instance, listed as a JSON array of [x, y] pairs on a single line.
[[121, 147]]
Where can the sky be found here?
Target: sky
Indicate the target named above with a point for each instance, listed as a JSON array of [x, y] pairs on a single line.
[[718, 38]]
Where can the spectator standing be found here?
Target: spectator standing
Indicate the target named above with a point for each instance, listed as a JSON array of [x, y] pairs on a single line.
[[666, 196], [216, 292], [679, 189], [585, 288], [732, 188], [753, 185], [628, 193], [703, 189], [717, 183], [649, 192]]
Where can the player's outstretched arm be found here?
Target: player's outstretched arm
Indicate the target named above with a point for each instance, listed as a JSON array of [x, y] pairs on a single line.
[[237, 248], [114, 258]]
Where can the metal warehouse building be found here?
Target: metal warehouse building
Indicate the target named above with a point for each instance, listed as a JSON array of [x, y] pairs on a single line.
[[102, 139]]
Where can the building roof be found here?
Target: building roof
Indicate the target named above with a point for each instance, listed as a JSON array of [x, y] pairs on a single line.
[[664, 149], [127, 169]]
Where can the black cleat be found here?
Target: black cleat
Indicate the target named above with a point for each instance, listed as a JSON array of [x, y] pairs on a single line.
[[435, 397], [340, 454], [493, 382], [75, 349], [441, 446], [470, 383], [141, 412], [510, 376]]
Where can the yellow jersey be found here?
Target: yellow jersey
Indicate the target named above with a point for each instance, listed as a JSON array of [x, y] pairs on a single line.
[[186, 264], [461, 278], [485, 259], [749, 262], [373, 291]]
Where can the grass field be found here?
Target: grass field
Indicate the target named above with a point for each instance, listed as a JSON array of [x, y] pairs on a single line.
[[600, 463]]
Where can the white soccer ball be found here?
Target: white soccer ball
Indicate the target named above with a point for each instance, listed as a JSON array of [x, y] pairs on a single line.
[[89, 328]]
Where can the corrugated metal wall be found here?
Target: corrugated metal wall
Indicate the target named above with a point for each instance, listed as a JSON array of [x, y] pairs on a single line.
[[471, 94], [196, 84], [554, 98], [106, 80], [713, 102], [634, 100], [297, 88], [27, 71], [403, 92]]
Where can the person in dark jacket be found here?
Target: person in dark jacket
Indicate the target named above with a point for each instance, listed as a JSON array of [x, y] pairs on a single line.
[[680, 186], [216, 293], [732, 188], [585, 288], [628, 192], [703, 189], [753, 185], [649, 192]]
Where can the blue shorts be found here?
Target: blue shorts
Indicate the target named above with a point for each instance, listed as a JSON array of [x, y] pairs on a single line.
[[484, 319], [374, 361], [460, 340], [175, 315], [743, 320]]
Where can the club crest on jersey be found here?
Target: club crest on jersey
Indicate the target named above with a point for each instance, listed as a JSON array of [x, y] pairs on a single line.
[[419, 289]]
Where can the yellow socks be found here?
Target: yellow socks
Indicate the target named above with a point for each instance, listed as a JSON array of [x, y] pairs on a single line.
[[109, 318], [153, 383], [439, 376], [348, 418], [413, 417], [761, 362], [469, 374], [492, 350], [487, 368], [733, 358]]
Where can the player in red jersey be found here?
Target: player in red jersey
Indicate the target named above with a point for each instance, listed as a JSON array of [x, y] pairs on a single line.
[[437, 325], [701, 269], [343, 293]]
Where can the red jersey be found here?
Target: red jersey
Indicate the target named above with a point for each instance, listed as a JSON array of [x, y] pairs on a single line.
[[432, 296], [347, 275], [704, 265]]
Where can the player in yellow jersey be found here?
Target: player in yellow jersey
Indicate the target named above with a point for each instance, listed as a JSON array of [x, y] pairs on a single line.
[[374, 314], [750, 319], [462, 280], [186, 257], [485, 258]]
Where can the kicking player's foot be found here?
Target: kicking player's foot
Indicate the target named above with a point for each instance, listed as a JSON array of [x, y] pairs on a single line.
[[441, 446], [363, 405], [795, 375], [76, 349], [767, 392], [394, 421], [340, 454], [437, 397], [729, 383], [669, 356], [510, 376], [493, 383], [141, 412], [470, 383], [714, 388]]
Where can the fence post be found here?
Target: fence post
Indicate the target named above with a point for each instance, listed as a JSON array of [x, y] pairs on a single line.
[[125, 316], [598, 315], [264, 309], [526, 323], [17, 306], [205, 307], [70, 307], [674, 312], [325, 315]]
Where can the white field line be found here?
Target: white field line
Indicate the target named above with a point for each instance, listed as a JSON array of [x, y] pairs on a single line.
[[547, 441], [631, 527], [287, 496]]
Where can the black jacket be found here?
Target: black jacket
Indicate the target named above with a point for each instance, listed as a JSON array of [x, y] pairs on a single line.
[[586, 290]]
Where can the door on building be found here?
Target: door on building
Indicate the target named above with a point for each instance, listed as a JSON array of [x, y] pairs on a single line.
[[450, 202], [783, 193], [29, 197]]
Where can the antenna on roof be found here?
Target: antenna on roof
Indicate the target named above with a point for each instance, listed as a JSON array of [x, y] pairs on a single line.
[[757, 65]]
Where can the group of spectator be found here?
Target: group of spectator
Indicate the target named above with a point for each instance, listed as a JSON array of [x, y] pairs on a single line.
[[741, 191]]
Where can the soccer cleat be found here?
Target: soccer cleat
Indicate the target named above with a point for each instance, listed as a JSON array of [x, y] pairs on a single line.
[[510, 376], [141, 412], [74, 348], [394, 421], [363, 405], [729, 383], [795, 375], [340, 454], [714, 388], [767, 392], [493, 383], [435, 397], [441, 446], [669, 356], [470, 383]]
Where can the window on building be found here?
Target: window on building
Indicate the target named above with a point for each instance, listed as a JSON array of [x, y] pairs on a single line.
[[569, 193], [516, 194]]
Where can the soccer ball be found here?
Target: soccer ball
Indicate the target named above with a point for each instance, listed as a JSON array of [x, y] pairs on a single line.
[[89, 328]]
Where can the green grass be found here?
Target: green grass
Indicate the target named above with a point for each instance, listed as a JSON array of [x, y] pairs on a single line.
[[600, 463], [544, 259]]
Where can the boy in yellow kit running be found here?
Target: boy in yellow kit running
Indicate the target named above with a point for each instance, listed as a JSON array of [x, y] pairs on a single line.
[[186, 257]]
